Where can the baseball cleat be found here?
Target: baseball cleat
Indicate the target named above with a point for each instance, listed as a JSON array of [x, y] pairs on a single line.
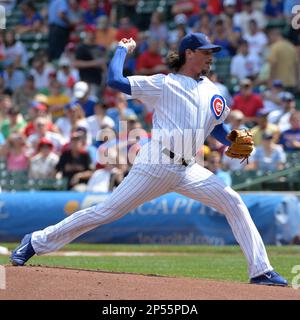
[[23, 252], [270, 278]]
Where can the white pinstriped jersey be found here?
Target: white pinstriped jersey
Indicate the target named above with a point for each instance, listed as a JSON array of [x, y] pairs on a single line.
[[182, 106]]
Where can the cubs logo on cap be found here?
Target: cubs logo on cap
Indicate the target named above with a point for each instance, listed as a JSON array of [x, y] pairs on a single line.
[[217, 106]]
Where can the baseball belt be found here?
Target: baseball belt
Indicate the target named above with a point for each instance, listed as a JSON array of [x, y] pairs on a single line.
[[172, 155]]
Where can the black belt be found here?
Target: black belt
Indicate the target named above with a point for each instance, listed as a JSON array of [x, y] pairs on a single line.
[[172, 155]]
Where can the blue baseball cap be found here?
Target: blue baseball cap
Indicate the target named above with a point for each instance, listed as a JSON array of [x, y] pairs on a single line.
[[195, 41], [286, 96]]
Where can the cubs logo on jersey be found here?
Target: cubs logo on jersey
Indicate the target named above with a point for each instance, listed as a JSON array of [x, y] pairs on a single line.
[[217, 106]]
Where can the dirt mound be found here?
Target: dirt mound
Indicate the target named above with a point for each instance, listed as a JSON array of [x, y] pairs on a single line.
[[40, 283]]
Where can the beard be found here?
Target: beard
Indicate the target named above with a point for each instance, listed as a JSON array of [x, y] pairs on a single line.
[[205, 72]]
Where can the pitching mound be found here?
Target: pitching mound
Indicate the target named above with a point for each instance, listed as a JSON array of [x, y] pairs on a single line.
[[39, 283]]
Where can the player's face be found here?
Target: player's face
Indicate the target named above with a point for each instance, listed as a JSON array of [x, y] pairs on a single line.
[[202, 60]]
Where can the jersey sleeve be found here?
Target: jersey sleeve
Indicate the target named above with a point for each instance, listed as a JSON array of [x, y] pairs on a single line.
[[218, 106], [146, 88]]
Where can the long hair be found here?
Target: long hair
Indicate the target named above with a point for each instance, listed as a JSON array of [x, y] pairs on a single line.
[[175, 60]]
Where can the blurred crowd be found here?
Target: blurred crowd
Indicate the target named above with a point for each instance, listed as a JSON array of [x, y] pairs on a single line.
[[59, 120]]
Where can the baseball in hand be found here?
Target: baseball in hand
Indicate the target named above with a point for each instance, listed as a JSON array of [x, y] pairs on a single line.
[[130, 44]]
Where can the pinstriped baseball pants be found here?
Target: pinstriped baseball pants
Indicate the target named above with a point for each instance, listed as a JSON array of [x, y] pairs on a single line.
[[148, 181]]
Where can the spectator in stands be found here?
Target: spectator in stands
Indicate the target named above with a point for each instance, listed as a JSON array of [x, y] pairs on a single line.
[[221, 37], [69, 52], [290, 139], [15, 153], [128, 142], [234, 33], [74, 118], [281, 116], [264, 126], [235, 120], [213, 6], [59, 27], [272, 99], [23, 96], [229, 7], [41, 131], [282, 50], [106, 33], [257, 39], [82, 96], [14, 78], [5, 104], [36, 109], [158, 28], [214, 165], [14, 123], [90, 61], [66, 75], [150, 61], [75, 163], [188, 7], [86, 137], [204, 25], [75, 15], [273, 9], [132, 139], [15, 50], [126, 30], [41, 72], [247, 101], [31, 20], [213, 76], [56, 100], [121, 111], [91, 15], [43, 164], [244, 64], [268, 156], [179, 32], [203, 18], [96, 121], [249, 13]]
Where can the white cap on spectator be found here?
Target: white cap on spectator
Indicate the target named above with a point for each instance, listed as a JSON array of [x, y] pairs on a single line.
[[64, 62], [80, 89], [180, 18], [227, 3]]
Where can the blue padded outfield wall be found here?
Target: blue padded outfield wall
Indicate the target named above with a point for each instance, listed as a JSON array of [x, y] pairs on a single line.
[[170, 219]]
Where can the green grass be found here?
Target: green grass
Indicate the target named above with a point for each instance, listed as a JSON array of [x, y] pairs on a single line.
[[222, 263]]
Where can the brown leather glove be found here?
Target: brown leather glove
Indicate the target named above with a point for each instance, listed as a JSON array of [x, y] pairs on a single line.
[[241, 144]]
